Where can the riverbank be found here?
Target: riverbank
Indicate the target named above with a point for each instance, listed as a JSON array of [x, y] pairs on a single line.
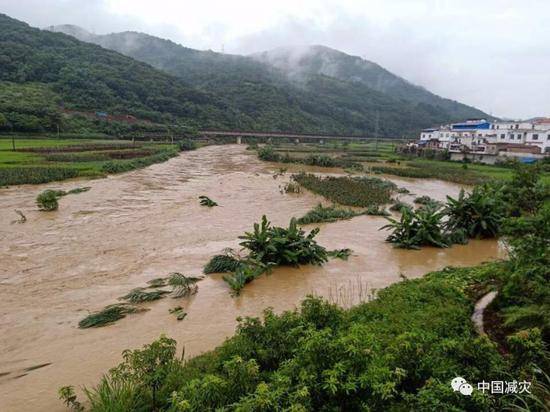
[[136, 226]]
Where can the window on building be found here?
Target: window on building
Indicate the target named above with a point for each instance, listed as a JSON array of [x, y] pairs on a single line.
[[503, 136], [535, 136]]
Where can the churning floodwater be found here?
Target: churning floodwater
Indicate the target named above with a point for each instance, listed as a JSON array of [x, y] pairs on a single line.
[[134, 227]]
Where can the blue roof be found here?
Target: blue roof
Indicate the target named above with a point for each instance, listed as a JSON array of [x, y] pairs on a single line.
[[471, 125]]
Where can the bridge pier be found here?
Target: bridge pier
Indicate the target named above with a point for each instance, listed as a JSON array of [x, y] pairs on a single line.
[[239, 139], [297, 141]]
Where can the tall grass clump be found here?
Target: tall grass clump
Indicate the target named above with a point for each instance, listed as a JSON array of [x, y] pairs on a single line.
[[348, 191], [321, 214]]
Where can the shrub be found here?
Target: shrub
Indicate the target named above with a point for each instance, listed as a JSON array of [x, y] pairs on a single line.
[[47, 200], [186, 145]]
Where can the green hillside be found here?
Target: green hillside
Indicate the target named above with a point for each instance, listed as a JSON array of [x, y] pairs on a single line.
[[45, 74], [272, 97]]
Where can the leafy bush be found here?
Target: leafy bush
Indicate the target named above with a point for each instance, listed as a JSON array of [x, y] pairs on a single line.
[[186, 145], [47, 200]]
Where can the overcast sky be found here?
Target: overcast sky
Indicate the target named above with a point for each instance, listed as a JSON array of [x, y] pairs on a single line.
[[492, 54]]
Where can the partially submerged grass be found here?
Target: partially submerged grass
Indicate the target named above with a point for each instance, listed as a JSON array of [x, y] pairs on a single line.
[[321, 214], [108, 315], [349, 191]]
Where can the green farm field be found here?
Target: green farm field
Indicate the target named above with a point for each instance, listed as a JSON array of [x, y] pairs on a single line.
[[45, 160], [380, 157]]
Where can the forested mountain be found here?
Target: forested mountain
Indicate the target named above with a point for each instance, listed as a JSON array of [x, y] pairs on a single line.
[[300, 63], [197, 88], [325, 82]]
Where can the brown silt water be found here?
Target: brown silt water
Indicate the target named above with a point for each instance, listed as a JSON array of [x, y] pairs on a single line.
[[134, 227]]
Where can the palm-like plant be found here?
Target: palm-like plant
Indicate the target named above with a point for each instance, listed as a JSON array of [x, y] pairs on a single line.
[[206, 201], [417, 228], [479, 213], [283, 246]]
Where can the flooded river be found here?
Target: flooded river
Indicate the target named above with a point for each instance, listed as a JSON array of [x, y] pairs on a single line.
[[137, 226]]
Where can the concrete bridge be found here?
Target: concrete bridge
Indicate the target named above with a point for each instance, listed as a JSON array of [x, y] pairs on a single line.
[[297, 137]]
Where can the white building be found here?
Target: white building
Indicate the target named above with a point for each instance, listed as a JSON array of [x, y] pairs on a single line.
[[475, 134]]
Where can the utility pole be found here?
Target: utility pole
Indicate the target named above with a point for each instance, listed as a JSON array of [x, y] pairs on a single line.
[[376, 130]]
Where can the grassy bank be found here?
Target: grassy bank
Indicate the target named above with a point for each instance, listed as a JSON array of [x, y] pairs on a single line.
[[398, 352], [45, 160]]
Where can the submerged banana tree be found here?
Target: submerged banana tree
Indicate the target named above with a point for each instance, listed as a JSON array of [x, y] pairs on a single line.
[[423, 227], [479, 213], [206, 201]]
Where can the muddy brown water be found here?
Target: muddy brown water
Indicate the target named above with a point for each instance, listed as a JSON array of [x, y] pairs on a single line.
[[137, 226]]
